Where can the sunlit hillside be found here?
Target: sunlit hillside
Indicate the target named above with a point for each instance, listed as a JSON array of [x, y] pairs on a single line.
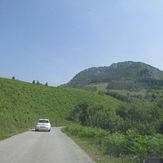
[[21, 104]]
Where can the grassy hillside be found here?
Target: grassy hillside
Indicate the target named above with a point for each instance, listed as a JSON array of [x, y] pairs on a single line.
[[123, 75], [21, 104]]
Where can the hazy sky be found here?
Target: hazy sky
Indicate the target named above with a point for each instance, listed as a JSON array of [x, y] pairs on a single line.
[[52, 40]]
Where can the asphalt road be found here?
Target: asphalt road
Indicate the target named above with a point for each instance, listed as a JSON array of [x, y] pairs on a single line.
[[42, 147]]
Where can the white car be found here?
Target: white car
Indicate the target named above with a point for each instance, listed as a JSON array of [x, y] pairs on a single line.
[[43, 125]]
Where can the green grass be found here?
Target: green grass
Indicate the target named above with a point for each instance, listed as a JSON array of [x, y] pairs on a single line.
[[89, 140], [100, 86], [22, 104], [141, 92], [106, 146], [97, 153]]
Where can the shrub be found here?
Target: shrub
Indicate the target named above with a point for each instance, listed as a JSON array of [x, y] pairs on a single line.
[[117, 144]]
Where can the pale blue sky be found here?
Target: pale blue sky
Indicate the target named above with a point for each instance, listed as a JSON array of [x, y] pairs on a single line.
[[52, 40]]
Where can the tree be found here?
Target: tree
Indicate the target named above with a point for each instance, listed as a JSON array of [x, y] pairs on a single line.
[[38, 82], [13, 77], [33, 82], [161, 125], [80, 113], [46, 84]]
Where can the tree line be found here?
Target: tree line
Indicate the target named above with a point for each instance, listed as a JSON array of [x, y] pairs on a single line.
[[37, 82]]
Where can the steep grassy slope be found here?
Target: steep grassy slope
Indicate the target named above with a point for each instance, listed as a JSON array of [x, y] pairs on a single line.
[[21, 104]]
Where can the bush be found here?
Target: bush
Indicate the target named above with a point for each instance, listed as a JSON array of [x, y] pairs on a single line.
[[117, 144]]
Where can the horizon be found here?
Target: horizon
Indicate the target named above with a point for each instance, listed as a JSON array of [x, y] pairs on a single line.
[[74, 75], [51, 41]]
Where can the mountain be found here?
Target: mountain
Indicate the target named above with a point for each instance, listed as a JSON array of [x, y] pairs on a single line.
[[22, 104], [123, 74]]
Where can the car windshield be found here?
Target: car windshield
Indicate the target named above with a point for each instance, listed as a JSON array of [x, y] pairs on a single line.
[[43, 121]]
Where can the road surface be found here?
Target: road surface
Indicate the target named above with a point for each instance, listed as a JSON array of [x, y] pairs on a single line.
[[42, 147]]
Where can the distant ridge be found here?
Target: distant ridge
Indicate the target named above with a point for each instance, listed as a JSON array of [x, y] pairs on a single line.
[[133, 73]]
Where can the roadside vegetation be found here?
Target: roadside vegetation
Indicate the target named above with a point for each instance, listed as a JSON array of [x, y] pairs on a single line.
[[106, 146], [133, 130]]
